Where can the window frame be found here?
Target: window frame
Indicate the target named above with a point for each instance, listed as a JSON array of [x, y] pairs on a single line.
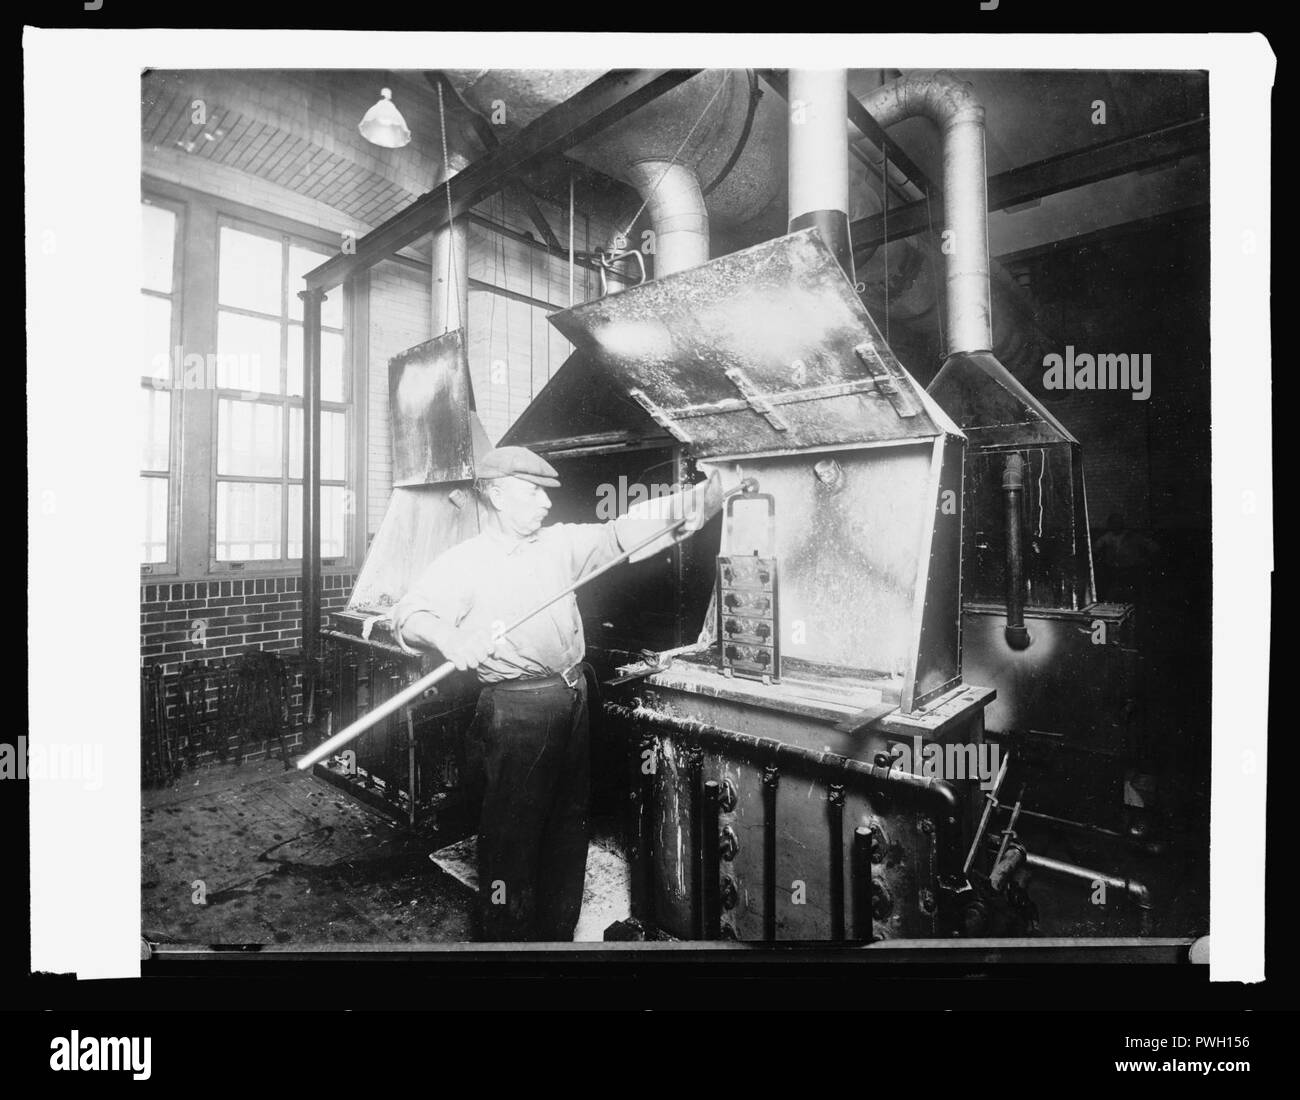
[[170, 565], [284, 565]]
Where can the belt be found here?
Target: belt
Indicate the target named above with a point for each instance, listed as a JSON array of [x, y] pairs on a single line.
[[571, 677]]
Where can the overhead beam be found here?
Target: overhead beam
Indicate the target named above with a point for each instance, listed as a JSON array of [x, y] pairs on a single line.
[[605, 101], [486, 134], [1048, 177]]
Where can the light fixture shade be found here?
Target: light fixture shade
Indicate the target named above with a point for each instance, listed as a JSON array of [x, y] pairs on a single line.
[[384, 125]]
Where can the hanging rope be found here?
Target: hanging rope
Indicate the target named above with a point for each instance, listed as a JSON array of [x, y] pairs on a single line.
[[627, 233], [454, 280]]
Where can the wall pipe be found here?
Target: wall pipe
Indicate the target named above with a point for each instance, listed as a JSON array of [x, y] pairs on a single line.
[[771, 786], [711, 896], [1013, 486], [835, 810]]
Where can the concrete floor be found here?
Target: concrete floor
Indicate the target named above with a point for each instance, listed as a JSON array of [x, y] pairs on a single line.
[[282, 857]]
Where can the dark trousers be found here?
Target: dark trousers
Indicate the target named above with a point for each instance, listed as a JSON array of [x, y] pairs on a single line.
[[528, 755]]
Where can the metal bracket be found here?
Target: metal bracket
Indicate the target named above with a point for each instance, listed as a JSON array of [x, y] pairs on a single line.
[[659, 416], [886, 378], [756, 399], [605, 262]]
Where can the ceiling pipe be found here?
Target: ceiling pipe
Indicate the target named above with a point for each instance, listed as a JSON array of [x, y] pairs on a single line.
[[951, 105], [678, 217], [818, 172]]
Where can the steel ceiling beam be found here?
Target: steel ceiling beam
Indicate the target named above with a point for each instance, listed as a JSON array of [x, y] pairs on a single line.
[[1048, 177], [602, 103]]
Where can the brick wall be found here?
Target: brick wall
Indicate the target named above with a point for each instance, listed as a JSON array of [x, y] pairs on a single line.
[[238, 616]]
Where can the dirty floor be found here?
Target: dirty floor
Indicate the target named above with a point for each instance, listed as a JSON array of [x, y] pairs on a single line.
[[255, 854]]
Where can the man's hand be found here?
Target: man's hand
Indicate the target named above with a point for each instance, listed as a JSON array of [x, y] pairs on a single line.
[[466, 648]]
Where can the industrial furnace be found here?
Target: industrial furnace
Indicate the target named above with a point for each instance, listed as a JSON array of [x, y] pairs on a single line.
[[769, 803]]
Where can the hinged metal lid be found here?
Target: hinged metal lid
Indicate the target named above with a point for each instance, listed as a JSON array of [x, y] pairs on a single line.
[[436, 436], [763, 351]]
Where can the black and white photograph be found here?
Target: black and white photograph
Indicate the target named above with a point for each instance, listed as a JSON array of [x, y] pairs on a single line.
[[604, 508]]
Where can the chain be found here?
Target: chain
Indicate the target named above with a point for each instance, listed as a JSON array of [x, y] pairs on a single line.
[[627, 233], [451, 234]]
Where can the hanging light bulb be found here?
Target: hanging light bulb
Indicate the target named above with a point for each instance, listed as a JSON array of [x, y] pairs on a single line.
[[384, 124]]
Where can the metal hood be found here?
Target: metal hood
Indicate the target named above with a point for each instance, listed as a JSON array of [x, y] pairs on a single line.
[[765, 351]]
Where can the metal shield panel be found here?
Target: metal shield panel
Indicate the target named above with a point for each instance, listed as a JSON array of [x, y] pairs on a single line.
[[430, 401], [760, 352]]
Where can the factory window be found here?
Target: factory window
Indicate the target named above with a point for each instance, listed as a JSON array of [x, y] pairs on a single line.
[[160, 317], [259, 412]]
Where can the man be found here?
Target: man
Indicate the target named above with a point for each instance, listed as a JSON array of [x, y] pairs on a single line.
[[530, 733]]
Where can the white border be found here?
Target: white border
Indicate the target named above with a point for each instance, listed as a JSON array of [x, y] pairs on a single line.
[[82, 104]]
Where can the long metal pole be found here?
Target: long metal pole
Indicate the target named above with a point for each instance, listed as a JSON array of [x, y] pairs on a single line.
[[311, 303], [419, 687]]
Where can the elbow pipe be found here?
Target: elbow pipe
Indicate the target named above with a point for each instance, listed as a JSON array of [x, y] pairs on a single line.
[[933, 796], [1013, 485], [952, 107], [678, 216]]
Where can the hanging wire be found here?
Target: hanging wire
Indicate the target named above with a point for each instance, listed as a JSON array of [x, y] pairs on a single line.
[[627, 233], [451, 228]]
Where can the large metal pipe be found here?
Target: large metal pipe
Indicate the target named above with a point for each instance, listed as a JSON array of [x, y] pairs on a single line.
[[818, 173], [951, 105], [450, 261], [1013, 488], [678, 217]]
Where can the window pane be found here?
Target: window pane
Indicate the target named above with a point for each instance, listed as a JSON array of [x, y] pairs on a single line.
[[248, 350], [333, 445], [293, 381], [155, 337], [159, 247], [155, 429], [301, 261], [153, 502], [333, 521], [250, 269], [249, 438], [331, 364], [248, 521]]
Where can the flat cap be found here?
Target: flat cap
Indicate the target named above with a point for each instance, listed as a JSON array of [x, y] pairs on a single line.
[[518, 462]]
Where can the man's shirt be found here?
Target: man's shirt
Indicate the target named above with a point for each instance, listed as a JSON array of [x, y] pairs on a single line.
[[488, 581]]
